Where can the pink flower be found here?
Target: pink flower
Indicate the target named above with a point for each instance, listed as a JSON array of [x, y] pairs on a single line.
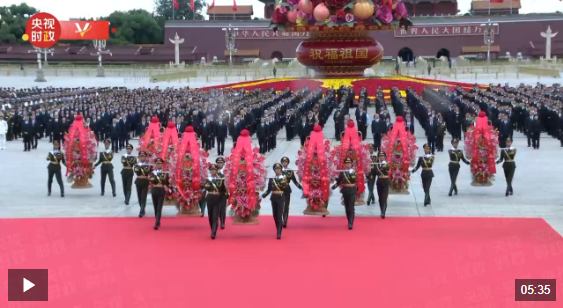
[[283, 9], [349, 17], [332, 19], [300, 14]]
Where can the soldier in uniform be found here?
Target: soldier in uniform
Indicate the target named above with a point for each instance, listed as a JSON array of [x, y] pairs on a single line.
[[290, 176], [142, 170], [382, 183], [347, 178], [55, 158], [216, 195], [425, 162], [277, 186], [371, 175], [508, 155], [159, 180], [128, 162], [220, 162], [453, 167], [107, 167]]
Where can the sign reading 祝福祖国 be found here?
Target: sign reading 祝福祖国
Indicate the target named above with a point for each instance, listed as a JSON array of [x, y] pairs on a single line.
[[444, 30], [262, 34]]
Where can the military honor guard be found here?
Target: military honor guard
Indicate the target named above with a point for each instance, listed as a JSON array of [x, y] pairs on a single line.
[[105, 160], [128, 162], [382, 171], [290, 176], [160, 180], [142, 170], [371, 175], [276, 186], [425, 162], [217, 194], [507, 155], [347, 180], [456, 155], [220, 162], [55, 158]]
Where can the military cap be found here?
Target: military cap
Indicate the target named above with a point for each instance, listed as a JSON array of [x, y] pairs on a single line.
[[142, 154], [285, 159], [107, 141], [219, 159], [213, 167], [455, 140], [129, 146], [159, 161], [278, 166], [426, 146], [381, 153], [347, 160]]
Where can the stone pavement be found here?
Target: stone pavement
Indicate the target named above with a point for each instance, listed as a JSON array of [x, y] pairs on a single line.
[[537, 185]]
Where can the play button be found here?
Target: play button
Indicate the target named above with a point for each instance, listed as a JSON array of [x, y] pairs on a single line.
[[27, 285]]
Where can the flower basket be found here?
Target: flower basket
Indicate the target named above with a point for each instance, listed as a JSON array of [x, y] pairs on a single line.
[[400, 147], [481, 145], [246, 220], [80, 151], [317, 207], [193, 211], [81, 184]]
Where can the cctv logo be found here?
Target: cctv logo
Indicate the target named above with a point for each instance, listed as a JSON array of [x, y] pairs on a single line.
[[81, 30]]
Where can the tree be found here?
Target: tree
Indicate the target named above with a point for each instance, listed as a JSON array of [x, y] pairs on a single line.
[[134, 27], [13, 19], [163, 10]]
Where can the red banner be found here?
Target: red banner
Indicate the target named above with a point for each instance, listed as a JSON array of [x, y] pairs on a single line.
[[360, 53], [85, 30], [444, 30]]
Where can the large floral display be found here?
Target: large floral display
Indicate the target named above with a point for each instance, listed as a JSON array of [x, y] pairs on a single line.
[[167, 153], [313, 165], [481, 147], [151, 141], [352, 147], [340, 44], [80, 151], [245, 176], [400, 147], [190, 169]]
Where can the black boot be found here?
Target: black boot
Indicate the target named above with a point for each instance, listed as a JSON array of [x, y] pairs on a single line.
[[507, 191], [451, 190], [351, 221], [383, 210], [142, 212], [157, 223], [214, 230], [285, 217]]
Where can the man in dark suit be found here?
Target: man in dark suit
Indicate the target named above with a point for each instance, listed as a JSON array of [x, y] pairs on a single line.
[[378, 129], [114, 131], [303, 130], [123, 132], [27, 131], [221, 134], [262, 134], [235, 129], [431, 131], [142, 127], [362, 120], [180, 127], [205, 133], [528, 127], [37, 129]]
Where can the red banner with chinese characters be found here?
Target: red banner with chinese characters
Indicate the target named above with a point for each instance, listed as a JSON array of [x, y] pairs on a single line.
[[444, 30], [85, 30], [345, 53]]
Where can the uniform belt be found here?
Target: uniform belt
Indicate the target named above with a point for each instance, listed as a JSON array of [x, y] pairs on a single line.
[[142, 176], [455, 162], [349, 185], [426, 168], [158, 185], [106, 162], [54, 162], [277, 192], [126, 167], [383, 176], [509, 161], [213, 192]]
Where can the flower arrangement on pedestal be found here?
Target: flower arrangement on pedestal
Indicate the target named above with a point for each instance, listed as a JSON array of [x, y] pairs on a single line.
[[400, 147], [245, 176], [80, 151], [352, 147], [481, 147], [190, 165], [167, 153], [151, 141], [313, 165], [336, 13]]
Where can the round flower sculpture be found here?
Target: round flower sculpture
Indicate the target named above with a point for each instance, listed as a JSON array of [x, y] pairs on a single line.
[[338, 13], [245, 176], [80, 151], [400, 147], [190, 168], [481, 147], [352, 147], [151, 141], [313, 165]]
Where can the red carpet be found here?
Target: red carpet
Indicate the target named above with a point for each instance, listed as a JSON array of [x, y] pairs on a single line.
[[397, 262]]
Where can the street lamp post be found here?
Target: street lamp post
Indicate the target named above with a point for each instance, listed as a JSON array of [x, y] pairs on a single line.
[[100, 46], [230, 41], [489, 37], [39, 74]]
